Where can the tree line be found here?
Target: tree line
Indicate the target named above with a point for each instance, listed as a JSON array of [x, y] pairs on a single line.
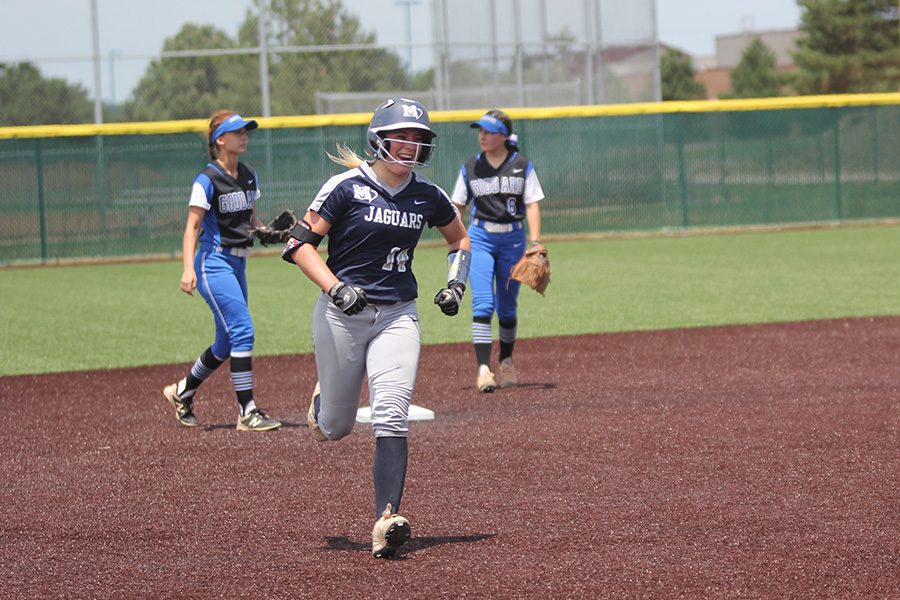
[[845, 46], [187, 87]]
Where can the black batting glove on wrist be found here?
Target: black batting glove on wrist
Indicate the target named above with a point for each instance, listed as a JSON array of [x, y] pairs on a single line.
[[448, 298], [350, 300]]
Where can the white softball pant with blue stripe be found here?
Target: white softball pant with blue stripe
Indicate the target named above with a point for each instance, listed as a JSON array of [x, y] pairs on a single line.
[[382, 341]]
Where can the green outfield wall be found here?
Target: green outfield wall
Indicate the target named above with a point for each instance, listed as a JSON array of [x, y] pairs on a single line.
[[121, 190]]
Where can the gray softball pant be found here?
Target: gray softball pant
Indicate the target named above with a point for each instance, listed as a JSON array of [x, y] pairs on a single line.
[[383, 341]]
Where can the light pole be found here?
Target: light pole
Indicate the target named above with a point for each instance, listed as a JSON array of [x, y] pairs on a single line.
[[409, 53], [95, 34], [112, 78]]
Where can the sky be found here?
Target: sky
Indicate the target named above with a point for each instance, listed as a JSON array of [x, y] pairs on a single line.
[[59, 31]]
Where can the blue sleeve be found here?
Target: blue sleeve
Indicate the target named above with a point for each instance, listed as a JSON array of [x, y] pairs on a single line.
[[206, 183]]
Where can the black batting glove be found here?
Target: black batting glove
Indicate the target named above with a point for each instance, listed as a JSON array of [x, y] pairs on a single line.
[[448, 298], [349, 299]]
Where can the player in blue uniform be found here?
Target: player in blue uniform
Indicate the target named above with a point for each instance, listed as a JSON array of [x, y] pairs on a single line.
[[222, 211], [365, 322], [504, 190]]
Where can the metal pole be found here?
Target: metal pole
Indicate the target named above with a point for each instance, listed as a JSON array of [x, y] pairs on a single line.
[[520, 72], [437, 42], [264, 85], [264, 61], [838, 192], [876, 158], [545, 51], [100, 181], [598, 37], [588, 53], [409, 45], [100, 185], [680, 120], [95, 31], [657, 78], [723, 190], [492, 8], [409, 52], [112, 80], [445, 62], [42, 206]]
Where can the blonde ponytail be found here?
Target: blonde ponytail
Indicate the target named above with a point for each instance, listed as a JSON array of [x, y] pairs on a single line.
[[345, 157]]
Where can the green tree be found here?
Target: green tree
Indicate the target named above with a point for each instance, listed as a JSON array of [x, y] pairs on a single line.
[[296, 76], [27, 98], [756, 75], [193, 87], [677, 76], [422, 80], [847, 46]]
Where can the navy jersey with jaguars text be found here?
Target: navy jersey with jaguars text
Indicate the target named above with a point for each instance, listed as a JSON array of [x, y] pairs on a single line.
[[498, 195], [375, 229], [228, 204]]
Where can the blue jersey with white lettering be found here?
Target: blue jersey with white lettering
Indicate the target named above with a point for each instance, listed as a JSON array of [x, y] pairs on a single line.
[[498, 195], [228, 203], [375, 229]]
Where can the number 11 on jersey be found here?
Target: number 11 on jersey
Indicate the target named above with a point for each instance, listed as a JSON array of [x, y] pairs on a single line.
[[398, 256]]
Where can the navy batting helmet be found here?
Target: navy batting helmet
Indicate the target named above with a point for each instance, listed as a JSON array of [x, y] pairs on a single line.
[[400, 113]]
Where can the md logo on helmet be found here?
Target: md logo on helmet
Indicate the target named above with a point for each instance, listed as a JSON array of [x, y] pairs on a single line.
[[412, 111]]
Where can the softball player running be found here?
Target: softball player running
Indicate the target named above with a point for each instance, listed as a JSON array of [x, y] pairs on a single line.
[[365, 321], [504, 190], [222, 210]]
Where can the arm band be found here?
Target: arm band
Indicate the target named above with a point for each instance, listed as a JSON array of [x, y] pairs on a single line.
[[303, 233], [458, 262], [300, 234]]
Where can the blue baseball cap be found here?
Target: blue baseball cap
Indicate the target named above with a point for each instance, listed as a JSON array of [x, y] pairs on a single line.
[[232, 123], [491, 125]]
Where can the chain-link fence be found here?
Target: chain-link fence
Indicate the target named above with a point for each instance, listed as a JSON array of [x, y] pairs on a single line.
[[519, 53], [603, 169], [294, 57]]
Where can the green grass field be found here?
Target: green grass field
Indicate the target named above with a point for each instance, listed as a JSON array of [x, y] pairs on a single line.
[[123, 315]]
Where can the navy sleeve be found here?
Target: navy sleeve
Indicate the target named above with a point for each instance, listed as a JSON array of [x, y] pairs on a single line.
[[444, 211]]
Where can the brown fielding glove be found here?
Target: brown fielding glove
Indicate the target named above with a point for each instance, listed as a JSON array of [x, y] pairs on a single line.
[[278, 230], [533, 269]]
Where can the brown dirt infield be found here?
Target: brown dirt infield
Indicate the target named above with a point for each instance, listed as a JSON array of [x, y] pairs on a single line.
[[724, 462]]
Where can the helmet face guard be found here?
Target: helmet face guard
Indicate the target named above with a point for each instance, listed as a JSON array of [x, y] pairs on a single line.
[[423, 151], [395, 114]]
